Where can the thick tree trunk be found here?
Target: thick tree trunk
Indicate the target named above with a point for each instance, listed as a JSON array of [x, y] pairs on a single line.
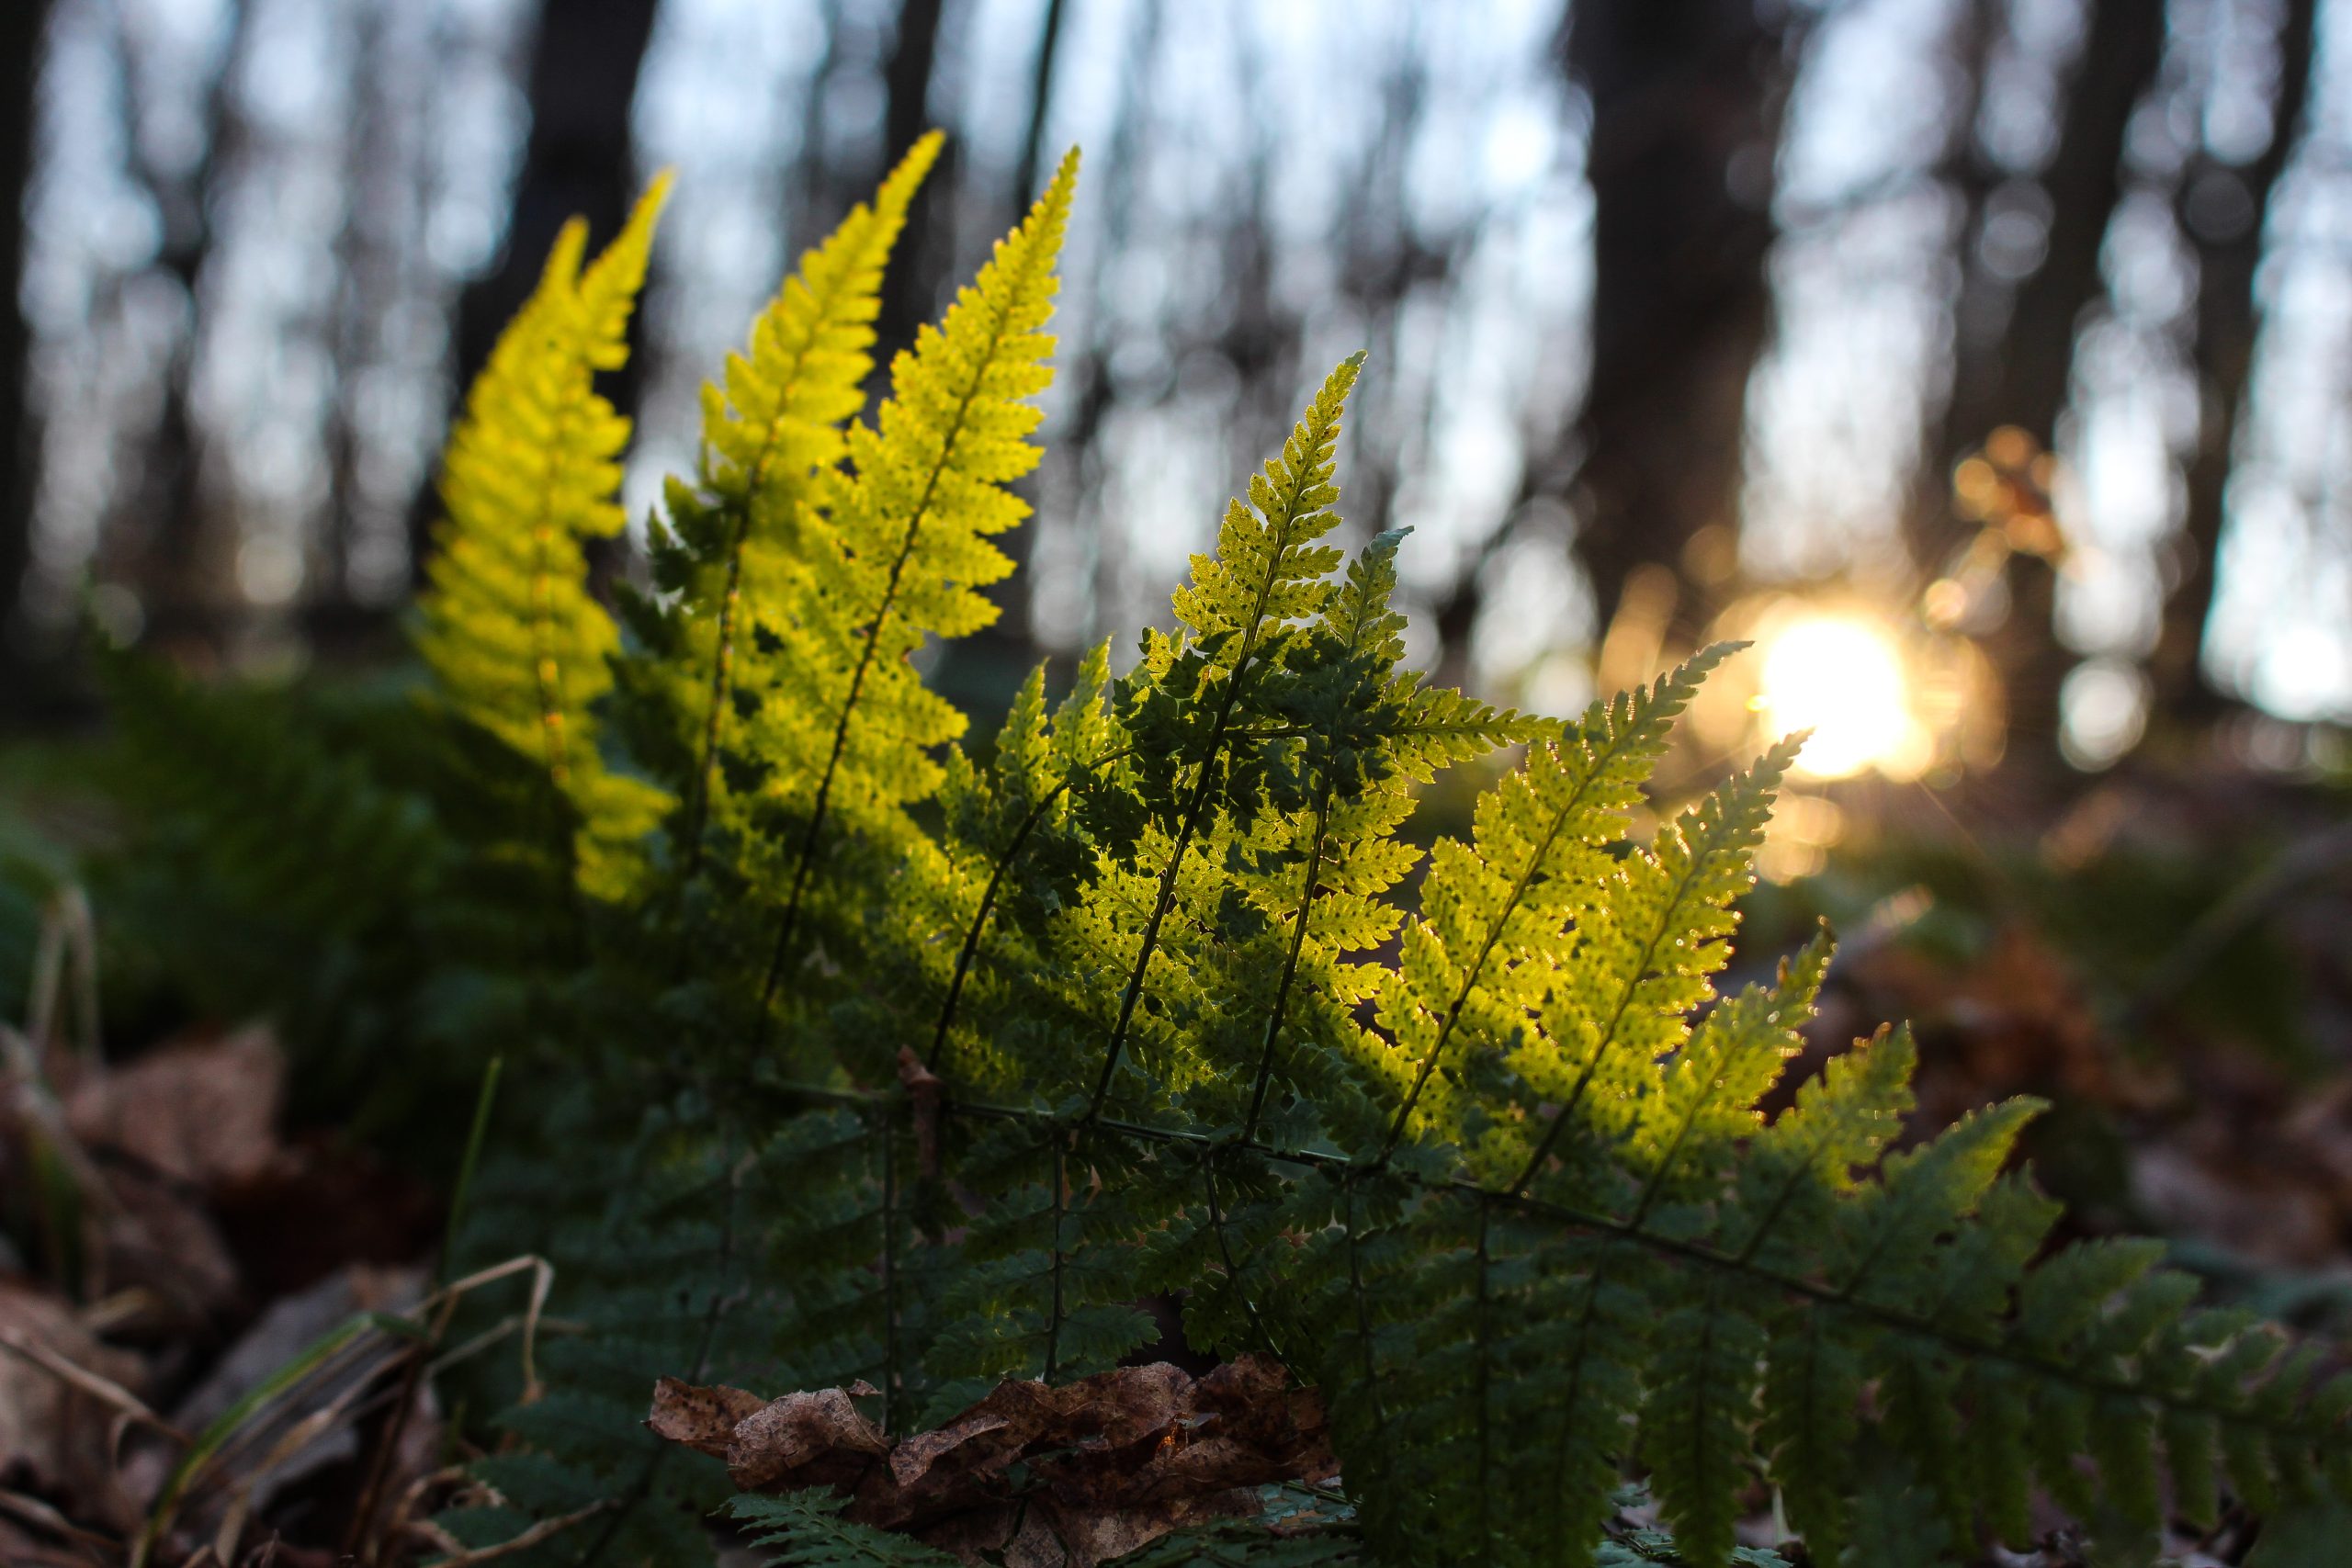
[[21, 28], [1686, 102], [583, 73], [2222, 211]]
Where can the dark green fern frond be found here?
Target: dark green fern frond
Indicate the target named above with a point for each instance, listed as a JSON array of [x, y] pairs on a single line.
[[808, 1528]]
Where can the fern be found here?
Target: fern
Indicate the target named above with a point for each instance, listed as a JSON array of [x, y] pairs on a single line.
[[963, 1057], [726, 560], [809, 1527], [898, 547], [515, 643]]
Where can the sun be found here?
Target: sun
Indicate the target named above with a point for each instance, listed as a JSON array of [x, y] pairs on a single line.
[[1843, 678]]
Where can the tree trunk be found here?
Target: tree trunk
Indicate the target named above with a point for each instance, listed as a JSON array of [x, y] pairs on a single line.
[[1031, 171], [21, 28], [1981, 300], [1686, 103], [2024, 377], [162, 539], [584, 65], [2221, 210], [910, 290], [998, 657]]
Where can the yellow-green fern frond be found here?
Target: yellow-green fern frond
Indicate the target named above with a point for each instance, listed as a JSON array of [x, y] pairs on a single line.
[[897, 550], [734, 538], [532, 471]]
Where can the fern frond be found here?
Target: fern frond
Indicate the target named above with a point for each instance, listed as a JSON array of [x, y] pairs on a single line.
[[1138, 1009], [515, 643], [1478, 959], [898, 551], [1268, 570], [733, 540]]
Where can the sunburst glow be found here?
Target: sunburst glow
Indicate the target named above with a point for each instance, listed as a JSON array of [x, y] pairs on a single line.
[[1844, 679]]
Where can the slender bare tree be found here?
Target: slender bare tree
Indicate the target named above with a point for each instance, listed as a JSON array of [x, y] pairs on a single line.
[[2223, 210]]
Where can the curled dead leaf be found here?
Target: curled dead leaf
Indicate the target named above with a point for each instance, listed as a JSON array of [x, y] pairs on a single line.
[[702, 1418], [204, 1113], [1079, 1473]]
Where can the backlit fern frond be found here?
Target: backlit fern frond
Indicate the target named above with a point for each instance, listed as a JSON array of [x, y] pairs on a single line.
[[725, 560], [532, 474], [897, 548]]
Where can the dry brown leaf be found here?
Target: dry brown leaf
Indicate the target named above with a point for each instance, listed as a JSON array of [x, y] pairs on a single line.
[[817, 1438], [1112, 1461], [702, 1418], [157, 1236], [204, 1113], [53, 1434]]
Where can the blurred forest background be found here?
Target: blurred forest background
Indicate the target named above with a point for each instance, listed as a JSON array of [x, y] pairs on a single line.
[[2018, 330]]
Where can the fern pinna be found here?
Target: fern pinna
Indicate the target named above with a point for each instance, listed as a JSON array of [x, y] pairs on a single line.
[[897, 1067]]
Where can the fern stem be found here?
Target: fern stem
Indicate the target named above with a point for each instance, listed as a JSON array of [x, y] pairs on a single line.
[[1357, 1297], [1232, 1268], [1054, 1320], [1289, 963], [971, 948], [722, 663], [1780, 1199], [785, 927], [889, 1271], [1574, 1400], [723, 641], [1164, 896], [1494, 934], [1608, 1225], [721, 1298], [1483, 1336], [1666, 1161], [1470, 978]]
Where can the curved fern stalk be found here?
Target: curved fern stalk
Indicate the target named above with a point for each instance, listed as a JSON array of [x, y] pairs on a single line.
[[1266, 572], [1646, 944], [1037, 762], [1538, 844], [515, 642], [909, 533], [1232, 1267], [775, 425]]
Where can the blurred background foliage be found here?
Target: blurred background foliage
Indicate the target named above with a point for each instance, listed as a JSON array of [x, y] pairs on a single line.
[[1988, 363]]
